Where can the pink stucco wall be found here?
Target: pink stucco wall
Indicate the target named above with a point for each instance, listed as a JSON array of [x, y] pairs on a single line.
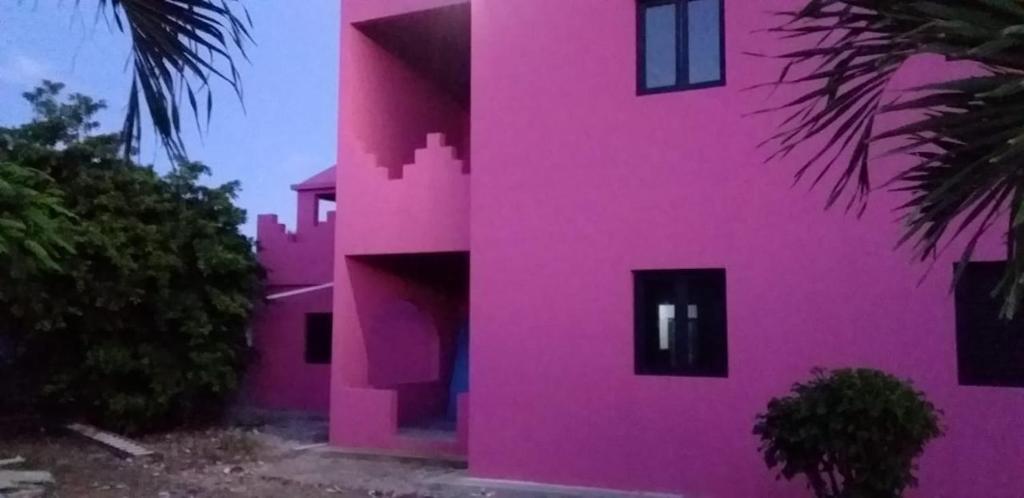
[[576, 182], [426, 210], [392, 107], [403, 185], [279, 377]]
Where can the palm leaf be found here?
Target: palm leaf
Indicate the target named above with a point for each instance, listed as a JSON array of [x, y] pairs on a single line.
[[966, 135], [178, 48]]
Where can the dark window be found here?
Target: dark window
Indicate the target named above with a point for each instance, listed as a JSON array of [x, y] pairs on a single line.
[[680, 322], [989, 349], [680, 45], [318, 338]]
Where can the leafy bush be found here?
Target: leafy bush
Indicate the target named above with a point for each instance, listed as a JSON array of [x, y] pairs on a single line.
[[144, 323], [853, 433], [33, 220], [33, 239]]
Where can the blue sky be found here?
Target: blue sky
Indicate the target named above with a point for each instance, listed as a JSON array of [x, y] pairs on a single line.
[[286, 132]]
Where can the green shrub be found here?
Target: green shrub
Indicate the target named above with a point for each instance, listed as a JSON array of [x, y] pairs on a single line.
[[33, 220], [142, 324], [852, 433]]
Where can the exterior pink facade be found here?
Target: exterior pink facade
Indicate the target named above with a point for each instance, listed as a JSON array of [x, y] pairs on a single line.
[[280, 378], [577, 181]]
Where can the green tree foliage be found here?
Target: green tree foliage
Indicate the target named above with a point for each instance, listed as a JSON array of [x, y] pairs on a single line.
[[850, 433], [145, 323], [965, 133], [33, 222]]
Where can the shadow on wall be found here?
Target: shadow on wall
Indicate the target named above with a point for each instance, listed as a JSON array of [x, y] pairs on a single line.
[[404, 346]]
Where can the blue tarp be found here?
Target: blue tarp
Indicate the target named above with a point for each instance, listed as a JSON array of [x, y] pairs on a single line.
[[460, 371]]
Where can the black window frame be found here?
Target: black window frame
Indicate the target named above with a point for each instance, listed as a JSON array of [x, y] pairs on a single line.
[[647, 360], [979, 364], [682, 49], [318, 355]]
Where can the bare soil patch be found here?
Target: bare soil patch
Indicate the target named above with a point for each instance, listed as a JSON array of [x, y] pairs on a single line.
[[218, 463]]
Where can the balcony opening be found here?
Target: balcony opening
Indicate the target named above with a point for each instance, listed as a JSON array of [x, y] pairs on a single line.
[[325, 205], [417, 337], [410, 78]]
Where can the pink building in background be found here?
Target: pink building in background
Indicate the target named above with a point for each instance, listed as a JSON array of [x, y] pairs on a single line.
[[575, 187], [292, 332]]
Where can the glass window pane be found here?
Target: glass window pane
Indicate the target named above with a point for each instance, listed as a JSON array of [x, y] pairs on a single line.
[[660, 45], [680, 322], [666, 325], [705, 42]]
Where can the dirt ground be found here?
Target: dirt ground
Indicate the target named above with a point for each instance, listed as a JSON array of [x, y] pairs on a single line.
[[224, 463]]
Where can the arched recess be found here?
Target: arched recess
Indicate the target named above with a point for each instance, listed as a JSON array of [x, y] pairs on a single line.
[[402, 346]]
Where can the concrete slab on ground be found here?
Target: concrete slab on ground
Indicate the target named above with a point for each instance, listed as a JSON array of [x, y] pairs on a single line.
[[415, 477], [522, 489]]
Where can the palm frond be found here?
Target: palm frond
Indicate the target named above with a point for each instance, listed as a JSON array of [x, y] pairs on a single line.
[[965, 134], [178, 48]]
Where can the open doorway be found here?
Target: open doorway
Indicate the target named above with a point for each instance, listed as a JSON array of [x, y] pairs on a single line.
[[417, 340]]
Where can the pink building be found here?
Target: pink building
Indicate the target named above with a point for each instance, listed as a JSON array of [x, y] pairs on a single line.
[[292, 332], [580, 179]]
